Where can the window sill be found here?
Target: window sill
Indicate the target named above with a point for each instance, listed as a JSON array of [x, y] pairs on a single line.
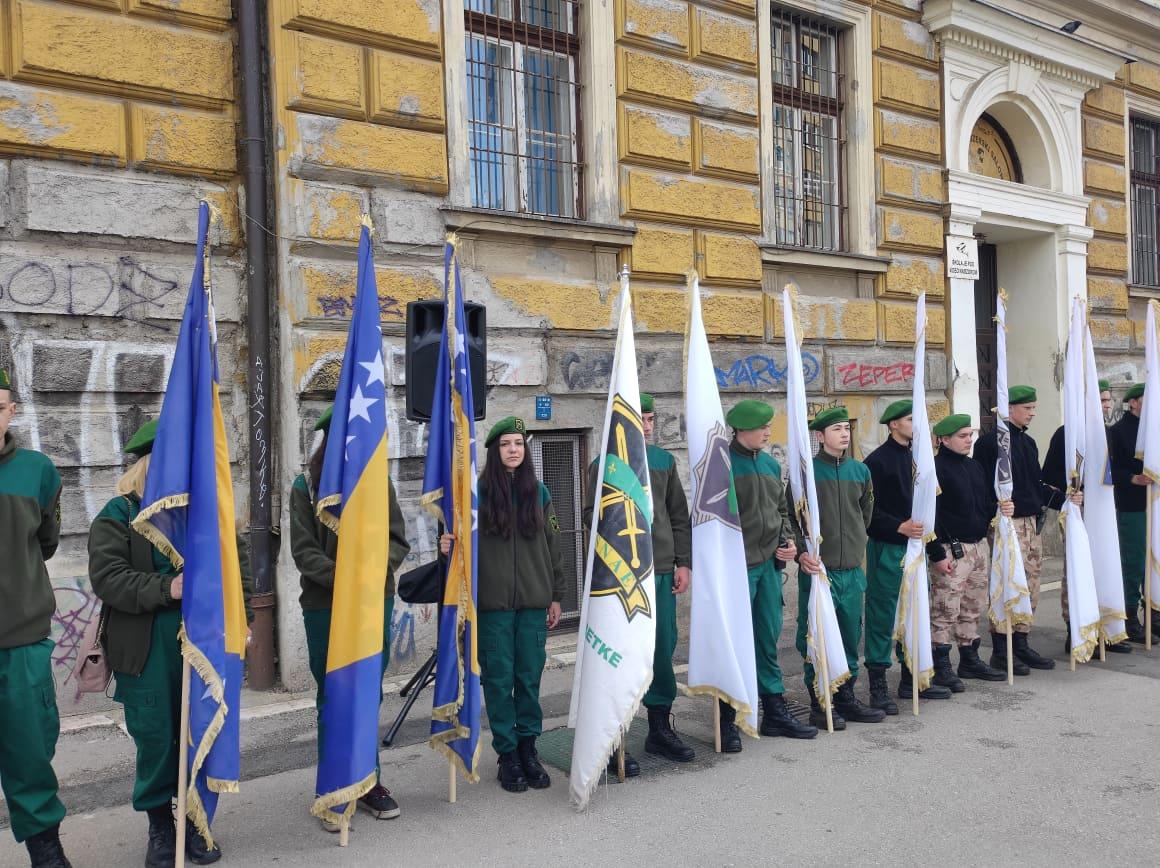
[[1140, 290], [773, 254], [481, 221]]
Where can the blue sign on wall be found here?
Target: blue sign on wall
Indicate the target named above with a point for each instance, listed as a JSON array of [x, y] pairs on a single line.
[[543, 408]]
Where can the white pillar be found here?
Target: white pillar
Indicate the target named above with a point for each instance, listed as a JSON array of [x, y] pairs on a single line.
[[964, 365]]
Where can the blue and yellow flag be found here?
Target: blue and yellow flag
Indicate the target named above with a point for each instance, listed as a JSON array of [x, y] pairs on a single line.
[[451, 495], [188, 513], [353, 502]]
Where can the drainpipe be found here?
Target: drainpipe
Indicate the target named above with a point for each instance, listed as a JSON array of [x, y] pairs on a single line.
[[260, 655]]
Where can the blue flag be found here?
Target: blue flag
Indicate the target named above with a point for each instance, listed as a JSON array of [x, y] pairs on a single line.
[[188, 514], [450, 494], [353, 501]]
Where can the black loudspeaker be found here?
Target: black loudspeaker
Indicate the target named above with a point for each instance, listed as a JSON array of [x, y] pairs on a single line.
[[424, 331]]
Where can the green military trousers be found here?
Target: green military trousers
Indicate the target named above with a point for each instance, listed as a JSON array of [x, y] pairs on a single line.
[[765, 599], [317, 622], [663, 689], [1133, 527], [847, 587], [29, 726], [152, 703], [511, 663], [883, 581]]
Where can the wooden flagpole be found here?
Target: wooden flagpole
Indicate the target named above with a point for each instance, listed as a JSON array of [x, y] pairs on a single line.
[[450, 782], [1148, 555], [1103, 650], [183, 763], [620, 760], [344, 832], [828, 702], [914, 644], [1010, 651], [717, 725]]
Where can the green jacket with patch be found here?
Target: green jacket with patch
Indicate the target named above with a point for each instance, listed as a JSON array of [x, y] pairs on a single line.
[[846, 505], [314, 546], [29, 534], [521, 573], [672, 533], [134, 580], [762, 503]]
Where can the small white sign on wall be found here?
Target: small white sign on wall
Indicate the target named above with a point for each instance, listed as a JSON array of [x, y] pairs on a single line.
[[962, 257]]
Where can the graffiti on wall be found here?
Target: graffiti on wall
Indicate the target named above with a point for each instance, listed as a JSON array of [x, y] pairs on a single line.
[[760, 371]]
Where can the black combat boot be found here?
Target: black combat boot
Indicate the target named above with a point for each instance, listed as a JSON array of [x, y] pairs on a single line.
[[999, 655], [730, 734], [1024, 652], [818, 714], [663, 740], [944, 673], [879, 691], [776, 719], [534, 771], [197, 850], [511, 773], [631, 766], [972, 666], [1121, 647], [45, 851], [1135, 628], [906, 684], [850, 707], [162, 849]]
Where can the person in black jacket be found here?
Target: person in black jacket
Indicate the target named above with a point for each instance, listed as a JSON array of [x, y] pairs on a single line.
[[1131, 491], [1029, 496]]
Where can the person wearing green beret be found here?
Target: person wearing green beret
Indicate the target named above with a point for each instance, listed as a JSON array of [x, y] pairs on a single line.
[[140, 590], [892, 474], [521, 583], [1106, 402], [960, 555], [672, 536], [30, 488], [1030, 496], [314, 548], [845, 508], [769, 533], [1130, 487]]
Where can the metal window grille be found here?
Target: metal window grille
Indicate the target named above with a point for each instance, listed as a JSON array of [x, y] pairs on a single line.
[[523, 90], [809, 200], [559, 464], [1145, 201]]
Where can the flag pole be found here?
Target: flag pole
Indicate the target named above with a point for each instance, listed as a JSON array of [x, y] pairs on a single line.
[[827, 703], [1010, 653], [450, 782], [914, 643], [344, 832], [1148, 555], [620, 760], [1103, 655], [183, 762], [717, 725]]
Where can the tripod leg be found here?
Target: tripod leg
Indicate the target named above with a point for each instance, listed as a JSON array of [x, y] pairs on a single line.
[[425, 676]]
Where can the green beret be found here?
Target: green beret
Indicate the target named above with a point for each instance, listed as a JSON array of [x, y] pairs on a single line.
[[1136, 391], [749, 414], [141, 443], [1021, 395], [829, 417], [323, 423], [646, 402], [5, 383], [510, 425], [1105, 386], [952, 424], [897, 410]]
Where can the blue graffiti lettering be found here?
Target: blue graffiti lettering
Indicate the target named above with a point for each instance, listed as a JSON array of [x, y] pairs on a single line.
[[760, 371]]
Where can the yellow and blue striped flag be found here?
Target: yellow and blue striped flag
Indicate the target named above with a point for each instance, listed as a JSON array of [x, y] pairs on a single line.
[[353, 502], [188, 513], [451, 495]]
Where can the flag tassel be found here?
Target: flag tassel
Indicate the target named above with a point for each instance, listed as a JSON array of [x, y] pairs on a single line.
[[183, 762]]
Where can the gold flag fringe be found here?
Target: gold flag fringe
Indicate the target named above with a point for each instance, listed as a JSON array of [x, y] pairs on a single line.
[[157, 539], [903, 619], [348, 796], [581, 801], [743, 709]]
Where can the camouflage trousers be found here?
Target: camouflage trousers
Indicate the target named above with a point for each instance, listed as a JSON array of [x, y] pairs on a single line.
[[1031, 545], [958, 601]]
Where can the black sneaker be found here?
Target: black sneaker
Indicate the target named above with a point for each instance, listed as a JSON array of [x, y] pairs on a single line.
[[379, 803], [197, 850]]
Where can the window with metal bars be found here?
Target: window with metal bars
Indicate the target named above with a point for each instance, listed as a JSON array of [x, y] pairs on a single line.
[[808, 137], [558, 457], [523, 96], [1145, 201]]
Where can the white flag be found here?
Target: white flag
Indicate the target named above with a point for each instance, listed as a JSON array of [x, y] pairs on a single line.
[[1083, 606], [618, 617], [912, 618], [823, 636], [1099, 507], [1009, 593], [721, 656], [1148, 448]]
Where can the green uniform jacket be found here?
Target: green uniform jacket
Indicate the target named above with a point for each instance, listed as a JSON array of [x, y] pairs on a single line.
[[521, 573], [762, 503], [846, 504], [29, 534], [672, 534], [133, 580], [315, 547]]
